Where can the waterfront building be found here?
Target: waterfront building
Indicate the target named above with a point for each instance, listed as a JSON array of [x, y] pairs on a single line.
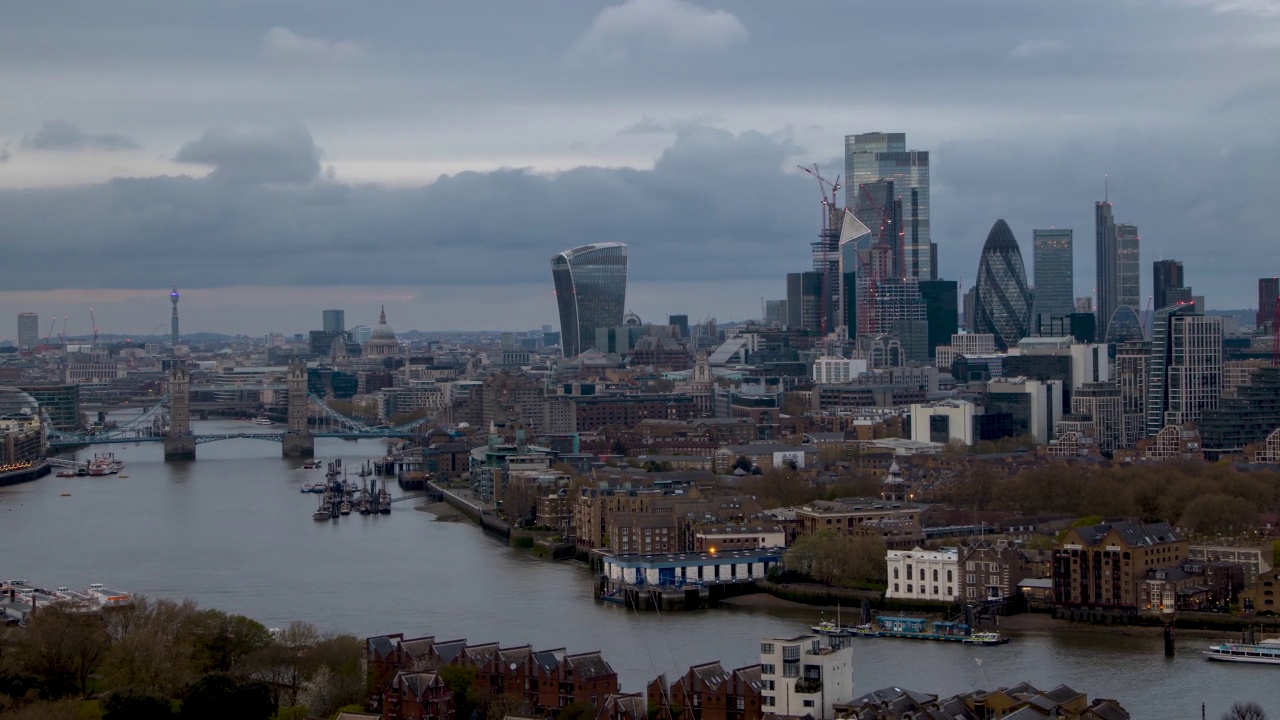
[[1020, 702], [898, 523], [802, 676], [691, 568], [920, 574], [1003, 303], [1105, 566], [28, 330], [334, 321], [23, 438], [60, 403], [1054, 268], [875, 157], [1185, 369], [987, 570], [1268, 293], [1166, 281], [591, 292], [417, 695]]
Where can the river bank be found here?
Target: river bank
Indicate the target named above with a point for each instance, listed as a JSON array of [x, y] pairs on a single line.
[[443, 512]]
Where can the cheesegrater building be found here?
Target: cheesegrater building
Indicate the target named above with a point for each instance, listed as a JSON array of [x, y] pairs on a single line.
[[591, 292]]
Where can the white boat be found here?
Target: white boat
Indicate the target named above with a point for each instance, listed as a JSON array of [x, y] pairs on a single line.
[[1266, 652], [105, 464], [985, 638], [262, 420]]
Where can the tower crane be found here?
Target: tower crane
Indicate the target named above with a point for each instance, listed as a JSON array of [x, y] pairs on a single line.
[[63, 335], [825, 251], [823, 184], [1147, 313], [93, 344], [50, 333]]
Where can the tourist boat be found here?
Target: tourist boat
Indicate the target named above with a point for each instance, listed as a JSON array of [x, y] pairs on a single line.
[[1266, 652], [262, 420], [105, 464], [66, 473], [311, 464], [985, 638]]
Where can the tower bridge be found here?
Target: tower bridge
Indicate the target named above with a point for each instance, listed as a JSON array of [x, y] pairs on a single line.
[[297, 440]]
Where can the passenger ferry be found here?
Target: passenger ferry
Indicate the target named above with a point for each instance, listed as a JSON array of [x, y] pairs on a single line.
[[1266, 652], [262, 420]]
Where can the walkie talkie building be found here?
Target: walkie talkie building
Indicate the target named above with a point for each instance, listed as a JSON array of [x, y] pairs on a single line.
[[591, 292]]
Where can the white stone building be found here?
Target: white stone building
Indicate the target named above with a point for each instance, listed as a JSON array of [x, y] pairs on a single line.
[[835, 370], [920, 574], [804, 676]]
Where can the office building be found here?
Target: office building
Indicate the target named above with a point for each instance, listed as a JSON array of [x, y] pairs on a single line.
[[804, 301], [802, 676], [1002, 302], [1119, 281], [898, 309], [941, 298], [1033, 406], [334, 321], [775, 313], [28, 330], [60, 402], [829, 370], [1247, 413], [1132, 373], [875, 157], [1101, 403], [681, 323], [1268, 292], [1185, 370], [1166, 277], [591, 292], [970, 308], [1054, 268], [1105, 566], [920, 574], [943, 421]]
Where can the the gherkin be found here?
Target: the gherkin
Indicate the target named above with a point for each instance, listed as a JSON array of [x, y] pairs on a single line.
[[1002, 302]]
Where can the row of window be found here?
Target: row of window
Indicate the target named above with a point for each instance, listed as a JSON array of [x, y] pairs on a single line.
[[935, 575]]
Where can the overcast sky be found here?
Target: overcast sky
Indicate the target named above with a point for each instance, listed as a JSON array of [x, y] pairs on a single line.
[[277, 158]]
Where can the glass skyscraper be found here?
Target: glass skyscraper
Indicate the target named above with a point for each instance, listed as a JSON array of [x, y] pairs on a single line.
[[1054, 274], [873, 157], [591, 292], [334, 321], [1185, 369], [1118, 267], [1002, 303]]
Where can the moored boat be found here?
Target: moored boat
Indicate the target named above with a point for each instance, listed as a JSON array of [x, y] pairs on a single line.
[[985, 638], [262, 420], [1266, 652]]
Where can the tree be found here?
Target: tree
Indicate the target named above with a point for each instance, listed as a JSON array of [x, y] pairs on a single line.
[[742, 463], [460, 680], [1245, 711], [577, 710], [285, 664], [1219, 514], [62, 648], [136, 705], [221, 640], [833, 559], [217, 696], [152, 646]]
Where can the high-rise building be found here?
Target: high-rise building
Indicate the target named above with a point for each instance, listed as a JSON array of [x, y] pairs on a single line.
[[173, 321], [1268, 291], [1131, 373], [775, 312], [1129, 266], [941, 298], [1054, 273], [855, 252], [1166, 275], [1119, 273], [1002, 304], [970, 308], [334, 321], [804, 301], [1185, 368], [591, 292], [28, 330], [898, 309], [1247, 413], [874, 157]]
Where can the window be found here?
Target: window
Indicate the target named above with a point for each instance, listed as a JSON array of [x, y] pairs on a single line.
[[739, 701], [767, 701], [969, 578], [766, 648], [908, 572], [808, 703], [768, 669], [895, 587], [935, 589], [948, 576], [935, 576], [950, 593], [909, 588]]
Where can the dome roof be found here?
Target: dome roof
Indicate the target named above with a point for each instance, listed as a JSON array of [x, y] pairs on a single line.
[[1001, 239], [15, 403], [383, 331]]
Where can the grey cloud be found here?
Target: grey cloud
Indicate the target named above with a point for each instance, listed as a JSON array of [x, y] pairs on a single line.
[[659, 25], [646, 125], [255, 154], [1038, 48], [283, 43], [62, 135], [4, 155]]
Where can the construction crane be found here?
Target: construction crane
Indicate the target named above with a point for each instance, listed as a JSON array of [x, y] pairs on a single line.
[[63, 335], [93, 344], [50, 333], [1147, 314], [823, 184], [826, 250]]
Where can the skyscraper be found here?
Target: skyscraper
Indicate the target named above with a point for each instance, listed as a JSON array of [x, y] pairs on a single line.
[[1185, 367], [1002, 303], [1118, 269], [941, 300], [1054, 270], [28, 330], [1167, 286], [804, 301], [1268, 291], [591, 292], [873, 157], [173, 321], [334, 321]]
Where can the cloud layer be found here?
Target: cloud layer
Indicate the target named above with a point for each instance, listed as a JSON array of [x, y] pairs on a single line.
[[255, 154], [660, 25], [59, 135]]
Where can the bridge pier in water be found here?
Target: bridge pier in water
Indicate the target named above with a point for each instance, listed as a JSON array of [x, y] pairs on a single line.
[[297, 441], [179, 444]]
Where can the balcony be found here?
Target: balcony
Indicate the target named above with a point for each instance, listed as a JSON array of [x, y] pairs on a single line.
[[808, 685]]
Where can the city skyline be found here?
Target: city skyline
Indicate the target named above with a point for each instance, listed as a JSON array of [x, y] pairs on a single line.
[[388, 187]]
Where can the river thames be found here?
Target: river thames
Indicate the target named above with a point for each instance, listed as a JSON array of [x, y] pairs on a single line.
[[232, 531]]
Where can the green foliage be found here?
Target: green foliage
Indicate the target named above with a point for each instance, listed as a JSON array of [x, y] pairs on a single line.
[[297, 712], [220, 640], [833, 559], [132, 704], [1219, 514], [460, 680], [218, 696], [353, 707], [576, 711], [60, 649], [1087, 521]]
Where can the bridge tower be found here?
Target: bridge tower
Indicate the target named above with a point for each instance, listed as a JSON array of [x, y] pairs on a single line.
[[297, 440], [179, 444]]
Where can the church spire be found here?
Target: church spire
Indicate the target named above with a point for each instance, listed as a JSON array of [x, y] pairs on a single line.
[[382, 316]]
